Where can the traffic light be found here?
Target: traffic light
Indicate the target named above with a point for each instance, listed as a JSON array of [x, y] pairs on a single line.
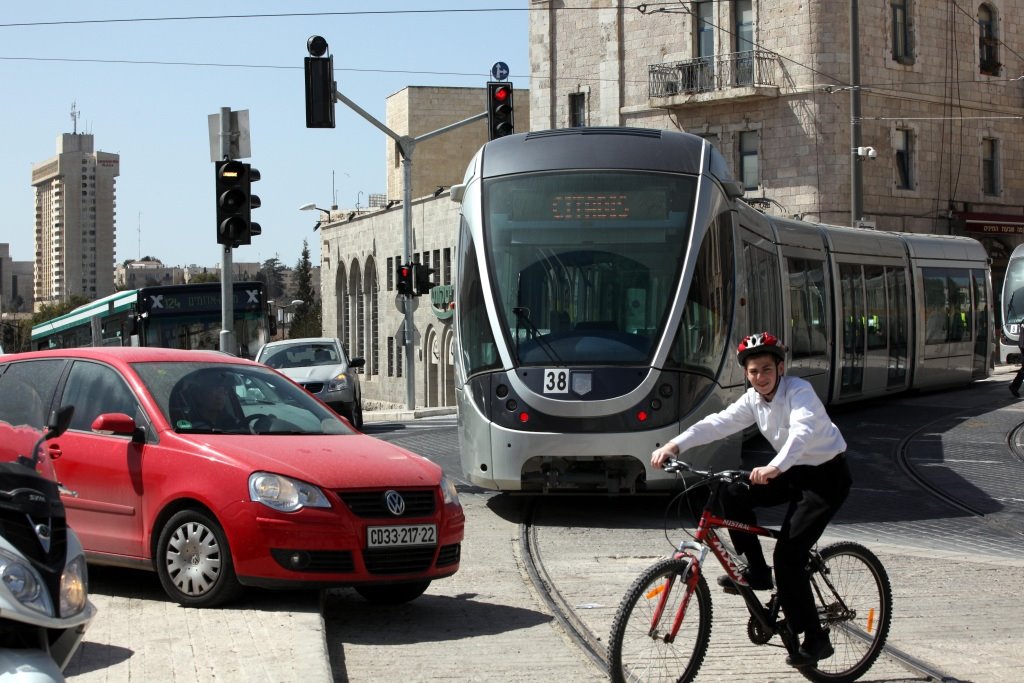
[[500, 117], [403, 279], [421, 279], [235, 202], [319, 85]]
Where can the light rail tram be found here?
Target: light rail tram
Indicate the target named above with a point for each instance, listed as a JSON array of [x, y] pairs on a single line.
[[1012, 304], [606, 275]]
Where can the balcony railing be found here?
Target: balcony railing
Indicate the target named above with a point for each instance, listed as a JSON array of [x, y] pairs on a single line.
[[710, 74]]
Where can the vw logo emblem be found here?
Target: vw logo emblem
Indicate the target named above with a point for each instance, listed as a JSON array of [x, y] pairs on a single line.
[[395, 503]]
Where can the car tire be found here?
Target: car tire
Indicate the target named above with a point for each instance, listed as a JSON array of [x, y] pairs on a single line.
[[393, 593], [356, 414], [193, 561]]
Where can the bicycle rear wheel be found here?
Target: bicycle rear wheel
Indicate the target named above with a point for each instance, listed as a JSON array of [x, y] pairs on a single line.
[[854, 600], [637, 650]]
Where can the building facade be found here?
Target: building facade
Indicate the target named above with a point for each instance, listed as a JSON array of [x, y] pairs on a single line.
[[774, 85], [360, 250], [75, 221], [15, 282]]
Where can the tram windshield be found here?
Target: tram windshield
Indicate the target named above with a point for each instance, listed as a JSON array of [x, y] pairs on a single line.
[[1013, 293], [585, 265]]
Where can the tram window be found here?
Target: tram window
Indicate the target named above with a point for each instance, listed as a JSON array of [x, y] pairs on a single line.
[[876, 322], [948, 309], [808, 325], [896, 279], [703, 331], [959, 288], [764, 290], [476, 342]]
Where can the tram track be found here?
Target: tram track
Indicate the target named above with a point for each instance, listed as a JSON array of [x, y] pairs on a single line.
[[545, 587]]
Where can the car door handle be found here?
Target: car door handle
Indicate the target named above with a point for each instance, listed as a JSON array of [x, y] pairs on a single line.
[[54, 451]]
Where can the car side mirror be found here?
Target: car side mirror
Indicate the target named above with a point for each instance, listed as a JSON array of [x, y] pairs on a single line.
[[114, 423], [356, 362]]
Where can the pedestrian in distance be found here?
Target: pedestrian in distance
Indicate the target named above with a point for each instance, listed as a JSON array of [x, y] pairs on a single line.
[[1019, 377], [809, 474]]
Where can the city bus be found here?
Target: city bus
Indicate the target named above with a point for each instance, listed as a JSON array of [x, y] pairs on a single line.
[[171, 316]]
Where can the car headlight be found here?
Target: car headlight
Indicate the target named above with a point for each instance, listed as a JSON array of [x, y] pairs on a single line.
[[451, 496], [284, 493], [24, 583], [74, 587], [339, 383]]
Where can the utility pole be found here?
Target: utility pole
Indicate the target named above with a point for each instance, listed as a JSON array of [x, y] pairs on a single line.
[[227, 286], [319, 72], [856, 163]]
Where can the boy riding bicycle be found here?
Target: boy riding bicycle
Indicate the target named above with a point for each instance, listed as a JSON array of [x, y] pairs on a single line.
[[808, 472]]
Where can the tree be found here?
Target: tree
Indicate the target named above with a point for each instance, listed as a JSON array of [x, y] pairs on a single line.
[[50, 311], [272, 276], [204, 277], [308, 319]]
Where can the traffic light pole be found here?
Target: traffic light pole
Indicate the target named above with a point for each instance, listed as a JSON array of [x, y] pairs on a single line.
[[406, 145], [227, 289]]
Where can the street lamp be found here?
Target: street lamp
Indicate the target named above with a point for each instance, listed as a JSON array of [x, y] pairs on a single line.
[[285, 314], [313, 207]]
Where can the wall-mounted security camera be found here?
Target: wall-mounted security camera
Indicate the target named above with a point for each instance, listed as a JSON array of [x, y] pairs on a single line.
[[867, 152]]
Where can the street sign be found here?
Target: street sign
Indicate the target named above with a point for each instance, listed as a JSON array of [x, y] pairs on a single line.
[[499, 71], [240, 144]]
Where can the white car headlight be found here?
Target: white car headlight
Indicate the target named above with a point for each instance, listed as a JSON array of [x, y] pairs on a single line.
[[24, 583], [339, 383], [451, 496], [284, 493], [74, 587]]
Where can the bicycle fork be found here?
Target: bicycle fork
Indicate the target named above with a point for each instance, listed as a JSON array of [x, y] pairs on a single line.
[[664, 590]]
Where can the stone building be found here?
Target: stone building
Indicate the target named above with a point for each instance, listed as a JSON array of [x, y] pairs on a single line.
[[360, 250], [15, 282], [773, 85], [75, 221]]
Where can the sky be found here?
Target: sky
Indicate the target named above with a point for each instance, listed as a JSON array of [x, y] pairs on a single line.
[[145, 77]]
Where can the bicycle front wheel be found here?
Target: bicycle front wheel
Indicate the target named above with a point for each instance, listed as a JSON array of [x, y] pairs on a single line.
[[641, 647], [854, 600]]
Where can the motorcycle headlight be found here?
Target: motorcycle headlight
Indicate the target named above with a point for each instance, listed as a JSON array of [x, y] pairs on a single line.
[[23, 582], [451, 496], [284, 493], [74, 587]]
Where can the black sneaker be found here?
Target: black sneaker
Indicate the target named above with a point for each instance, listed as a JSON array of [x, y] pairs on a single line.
[[1015, 391], [758, 580], [814, 649]]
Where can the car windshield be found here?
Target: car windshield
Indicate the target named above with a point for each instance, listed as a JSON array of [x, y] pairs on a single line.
[[226, 398], [300, 355]]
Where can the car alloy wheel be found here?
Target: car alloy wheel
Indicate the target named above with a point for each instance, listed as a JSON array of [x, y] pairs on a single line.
[[194, 562]]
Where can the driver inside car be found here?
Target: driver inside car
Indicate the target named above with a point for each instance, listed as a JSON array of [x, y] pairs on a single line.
[[210, 403]]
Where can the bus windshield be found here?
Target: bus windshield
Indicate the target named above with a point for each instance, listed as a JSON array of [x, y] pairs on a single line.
[[586, 264]]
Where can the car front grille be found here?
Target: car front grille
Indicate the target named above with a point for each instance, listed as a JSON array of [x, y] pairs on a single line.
[[371, 504], [398, 560], [313, 387]]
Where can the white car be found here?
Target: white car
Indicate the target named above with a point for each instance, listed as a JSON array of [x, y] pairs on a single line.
[[321, 366]]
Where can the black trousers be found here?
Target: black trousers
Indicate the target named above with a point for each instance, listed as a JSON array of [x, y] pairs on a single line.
[[813, 493]]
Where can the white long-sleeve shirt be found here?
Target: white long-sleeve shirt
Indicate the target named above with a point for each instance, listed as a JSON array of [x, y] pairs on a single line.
[[795, 422]]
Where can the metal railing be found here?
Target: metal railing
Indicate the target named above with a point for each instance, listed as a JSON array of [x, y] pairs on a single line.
[[709, 74]]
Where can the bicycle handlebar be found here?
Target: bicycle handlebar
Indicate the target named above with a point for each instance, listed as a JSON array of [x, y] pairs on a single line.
[[729, 476]]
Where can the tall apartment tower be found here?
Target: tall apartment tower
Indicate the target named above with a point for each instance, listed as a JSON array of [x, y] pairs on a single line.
[[75, 221]]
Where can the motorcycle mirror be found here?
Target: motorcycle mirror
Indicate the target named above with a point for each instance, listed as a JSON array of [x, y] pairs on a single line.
[[59, 421]]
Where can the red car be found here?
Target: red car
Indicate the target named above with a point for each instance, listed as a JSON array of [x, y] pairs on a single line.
[[219, 473]]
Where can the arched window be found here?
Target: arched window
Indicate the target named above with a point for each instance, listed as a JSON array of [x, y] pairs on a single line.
[[988, 42]]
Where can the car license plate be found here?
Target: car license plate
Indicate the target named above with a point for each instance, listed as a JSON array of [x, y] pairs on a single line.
[[409, 534]]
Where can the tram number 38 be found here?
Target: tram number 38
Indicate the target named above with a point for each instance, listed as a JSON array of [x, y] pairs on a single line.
[[556, 381]]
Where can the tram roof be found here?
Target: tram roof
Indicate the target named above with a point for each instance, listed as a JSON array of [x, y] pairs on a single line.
[[646, 149]]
